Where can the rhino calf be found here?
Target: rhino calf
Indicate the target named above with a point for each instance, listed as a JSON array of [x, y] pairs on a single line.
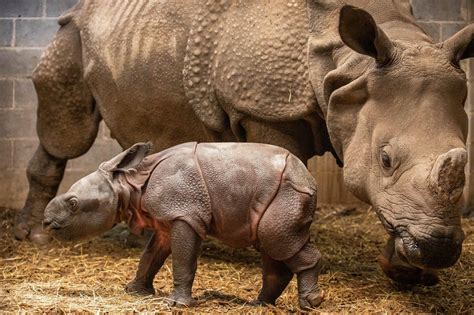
[[244, 194]]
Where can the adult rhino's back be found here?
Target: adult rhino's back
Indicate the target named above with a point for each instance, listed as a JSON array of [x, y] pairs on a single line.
[[133, 54], [239, 58]]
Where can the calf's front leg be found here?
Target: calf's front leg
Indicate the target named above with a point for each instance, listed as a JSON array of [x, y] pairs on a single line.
[[185, 244], [276, 276], [153, 257]]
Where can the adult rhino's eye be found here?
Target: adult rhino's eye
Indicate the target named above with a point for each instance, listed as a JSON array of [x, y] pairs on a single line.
[[73, 203], [386, 160]]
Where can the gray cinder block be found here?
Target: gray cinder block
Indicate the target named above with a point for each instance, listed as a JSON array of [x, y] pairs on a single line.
[[25, 94], [6, 32], [439, 10], [35, 33], [21, 8], [57, 7], [17, 124], [6, 94], [18, 62]]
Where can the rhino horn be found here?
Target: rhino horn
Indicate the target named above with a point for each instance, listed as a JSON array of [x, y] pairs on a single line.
[[447, 175]]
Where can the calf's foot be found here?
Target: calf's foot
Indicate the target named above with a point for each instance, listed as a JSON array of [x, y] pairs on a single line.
[[309, 294]]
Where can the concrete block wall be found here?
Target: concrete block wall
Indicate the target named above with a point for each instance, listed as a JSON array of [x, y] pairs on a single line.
[[27, 26]]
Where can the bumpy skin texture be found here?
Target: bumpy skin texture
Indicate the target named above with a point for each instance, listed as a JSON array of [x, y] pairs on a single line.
[[244, 194], [356, 77]]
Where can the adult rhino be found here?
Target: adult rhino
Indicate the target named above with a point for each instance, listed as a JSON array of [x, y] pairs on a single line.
[[358, 78]]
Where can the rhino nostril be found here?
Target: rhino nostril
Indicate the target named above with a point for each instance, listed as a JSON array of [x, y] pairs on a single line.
[[46, 222]]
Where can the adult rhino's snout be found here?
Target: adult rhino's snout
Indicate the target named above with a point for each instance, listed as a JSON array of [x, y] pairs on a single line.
[[441, 249], [447, 175]]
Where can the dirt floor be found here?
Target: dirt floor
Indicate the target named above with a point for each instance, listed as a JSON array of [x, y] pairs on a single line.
[[90, 276]]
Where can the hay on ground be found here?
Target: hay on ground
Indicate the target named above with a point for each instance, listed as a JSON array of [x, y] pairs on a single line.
[[90, 276]]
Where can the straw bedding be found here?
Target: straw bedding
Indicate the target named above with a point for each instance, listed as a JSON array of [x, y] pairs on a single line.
[[90, 276]]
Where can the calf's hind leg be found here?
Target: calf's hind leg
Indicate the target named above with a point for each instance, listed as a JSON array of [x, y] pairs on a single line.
[[283, 233], [67, 126], [307, 265]]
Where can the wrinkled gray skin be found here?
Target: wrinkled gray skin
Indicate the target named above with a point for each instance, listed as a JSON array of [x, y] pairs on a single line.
[[368, 85], [244, 194]]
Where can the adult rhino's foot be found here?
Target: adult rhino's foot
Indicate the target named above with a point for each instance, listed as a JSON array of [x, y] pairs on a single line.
[[406, 274], [259, 302], [181, 300], [21, 229], [26, 230], [139, 288], [39, 236], [311, 300]]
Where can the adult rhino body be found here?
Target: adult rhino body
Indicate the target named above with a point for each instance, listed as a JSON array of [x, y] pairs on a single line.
[[311, 76]]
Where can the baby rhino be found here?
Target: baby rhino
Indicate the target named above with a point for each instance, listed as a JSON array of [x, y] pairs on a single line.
[[244, 194]]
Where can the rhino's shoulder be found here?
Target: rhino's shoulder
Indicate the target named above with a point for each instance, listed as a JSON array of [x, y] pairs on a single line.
[[208, 23], [251, 56]]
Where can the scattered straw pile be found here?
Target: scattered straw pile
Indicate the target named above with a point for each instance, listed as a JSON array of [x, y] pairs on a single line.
[[90, 276]]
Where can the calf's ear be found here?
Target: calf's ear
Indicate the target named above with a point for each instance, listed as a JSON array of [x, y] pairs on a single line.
[[461, 45], [359, 32], [128, 159]]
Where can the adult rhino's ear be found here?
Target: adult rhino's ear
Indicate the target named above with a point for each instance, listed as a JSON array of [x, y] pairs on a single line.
[[359, 31], [461, 45], [128, 159]]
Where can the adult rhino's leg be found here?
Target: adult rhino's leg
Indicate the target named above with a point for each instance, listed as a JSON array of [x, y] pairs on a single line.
[[399, 271], [67, 126], [153, 257], [294, 136], [275, 275], [44, 173]]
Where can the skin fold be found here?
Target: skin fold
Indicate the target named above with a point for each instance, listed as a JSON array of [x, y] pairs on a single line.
[[178, 194]]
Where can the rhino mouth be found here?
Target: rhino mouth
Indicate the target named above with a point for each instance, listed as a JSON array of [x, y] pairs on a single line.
[[51, 226]]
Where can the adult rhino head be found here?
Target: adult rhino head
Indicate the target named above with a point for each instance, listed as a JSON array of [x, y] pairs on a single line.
[[393, 102]]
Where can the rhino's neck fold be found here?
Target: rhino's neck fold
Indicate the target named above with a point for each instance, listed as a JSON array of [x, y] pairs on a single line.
[[130, 187]]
